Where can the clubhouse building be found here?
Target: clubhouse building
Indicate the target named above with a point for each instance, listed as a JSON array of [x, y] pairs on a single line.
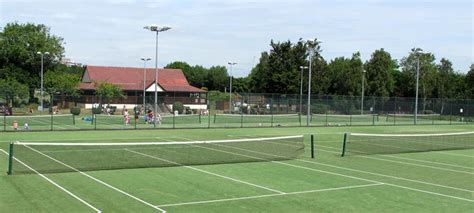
[[172, 87]]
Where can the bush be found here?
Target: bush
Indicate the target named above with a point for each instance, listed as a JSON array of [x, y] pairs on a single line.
[[97, 110], [178, 106], [75, 110]]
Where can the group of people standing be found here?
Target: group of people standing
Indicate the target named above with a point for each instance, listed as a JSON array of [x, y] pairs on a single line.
[[149, 116]]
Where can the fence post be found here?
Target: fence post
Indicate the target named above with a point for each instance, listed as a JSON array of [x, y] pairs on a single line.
[[52, 119], [241, 119]]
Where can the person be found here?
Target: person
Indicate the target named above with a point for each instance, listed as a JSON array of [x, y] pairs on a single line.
[[151, 116], [126, 117], [26, 126], [15, 125], [137, 115], [158, 119]]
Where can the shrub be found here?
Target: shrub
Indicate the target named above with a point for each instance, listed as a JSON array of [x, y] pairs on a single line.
[[75, 110], [178, 106], [97, 110]]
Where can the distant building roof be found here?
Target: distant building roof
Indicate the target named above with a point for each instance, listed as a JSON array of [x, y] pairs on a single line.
[[131, 79]]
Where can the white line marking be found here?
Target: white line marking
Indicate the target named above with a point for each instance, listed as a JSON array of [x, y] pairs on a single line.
[[432, 162], [207, 172], [99, 181], [382, 175], [412, 164], [353, 177], [270, 195], [455, 154], [54, 183]]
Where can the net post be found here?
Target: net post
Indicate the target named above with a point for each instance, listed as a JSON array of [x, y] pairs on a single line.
[[94, 120], [215, 118], [174, 120], [312, 146], [241, 120], [344, 142], [299, 118], [373, 120], [52, 119], [350, 119], [4, 121], [73, 119], [199, 118], [10, 160]]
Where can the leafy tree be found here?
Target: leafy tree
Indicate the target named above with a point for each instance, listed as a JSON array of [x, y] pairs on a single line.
[[258, 75], [379, 74], [346, 75], [241, 85], [217, 78], [13, 91], [61, 82], [108, 91], [427, 74], [470, 82], [445, 87], [19, 44]]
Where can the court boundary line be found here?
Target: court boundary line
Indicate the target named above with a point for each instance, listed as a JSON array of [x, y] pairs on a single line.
[[207, 172], [414, 164], [99, 181], [353, 177], [383, 175], [54, 183], [378, 174], [271, 195]]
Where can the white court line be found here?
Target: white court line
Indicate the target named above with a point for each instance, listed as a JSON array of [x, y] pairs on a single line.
[[406, 163], [207, 172], [270, 195], [445, 164], [353, 177], [455, 154], [99, 181], [54, 183], [382, 175]]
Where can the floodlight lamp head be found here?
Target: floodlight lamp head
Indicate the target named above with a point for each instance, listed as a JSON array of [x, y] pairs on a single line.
[[231, 63], [303, 67], [39, 53], [46, 53]]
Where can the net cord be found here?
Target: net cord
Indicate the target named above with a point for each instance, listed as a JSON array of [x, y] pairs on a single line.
[[159, 143], [412, 135]]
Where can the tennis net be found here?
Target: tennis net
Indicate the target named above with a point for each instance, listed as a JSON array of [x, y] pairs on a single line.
[[361, 143], [74, 157], [259, 120]]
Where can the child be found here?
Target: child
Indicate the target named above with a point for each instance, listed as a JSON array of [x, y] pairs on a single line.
[[26, 126]]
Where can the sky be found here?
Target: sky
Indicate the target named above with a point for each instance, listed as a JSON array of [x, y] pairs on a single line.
[[214, 32]]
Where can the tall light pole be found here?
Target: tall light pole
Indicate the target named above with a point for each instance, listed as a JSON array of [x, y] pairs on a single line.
[[42, 78], [144, 80], [417, 80], [301, 87], [362, 98], [230, 63], [157, 29], [309, 87]]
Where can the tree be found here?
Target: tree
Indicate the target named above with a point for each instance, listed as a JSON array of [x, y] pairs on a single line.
[[445, 82], [61, 82], [19, 44], [241, 85], [470, 82], [427, 74], [346, 75], [380, 71], [108, 91], [258, 75], [218, 78], [13, 92]]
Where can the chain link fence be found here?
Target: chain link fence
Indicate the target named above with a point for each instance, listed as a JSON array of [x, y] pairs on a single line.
[[178, 110]]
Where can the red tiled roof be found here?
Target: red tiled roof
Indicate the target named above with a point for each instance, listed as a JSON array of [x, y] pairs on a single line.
[[171, 80]]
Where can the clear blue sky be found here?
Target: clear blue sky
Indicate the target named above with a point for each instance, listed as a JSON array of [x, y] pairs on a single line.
[[212, 32]]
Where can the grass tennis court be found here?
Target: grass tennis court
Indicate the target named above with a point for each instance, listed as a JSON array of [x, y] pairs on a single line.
[[437, 181]]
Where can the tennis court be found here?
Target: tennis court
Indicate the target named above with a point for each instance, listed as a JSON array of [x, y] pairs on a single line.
[[275, 175]]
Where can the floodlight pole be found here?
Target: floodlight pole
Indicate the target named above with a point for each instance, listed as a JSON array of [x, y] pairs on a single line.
[[42, 78], [144, 80], [230, 85], [416, 93], [362, 98], [301, 88], [309, 87], [156, 29]]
